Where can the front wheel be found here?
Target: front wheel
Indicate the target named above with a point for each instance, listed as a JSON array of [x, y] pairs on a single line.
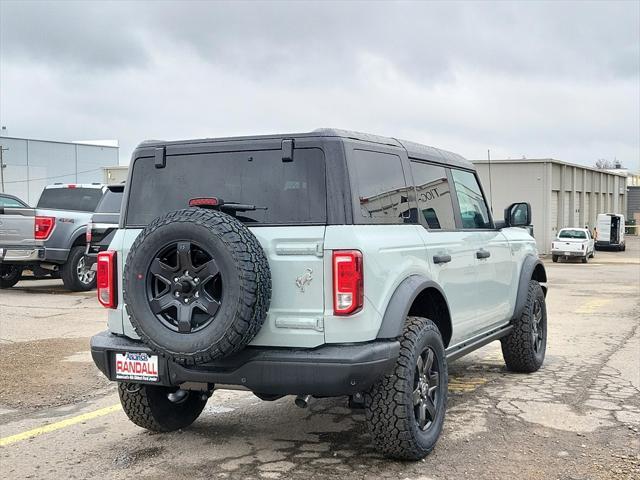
[[76, 275], [405, 410], [148, 406], [524, 348], [9, 275]]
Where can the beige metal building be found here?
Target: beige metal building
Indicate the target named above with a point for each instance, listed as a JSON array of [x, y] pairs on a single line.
[[561, 194]]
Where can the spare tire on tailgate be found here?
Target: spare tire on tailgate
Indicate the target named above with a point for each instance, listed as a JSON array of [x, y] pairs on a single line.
[[197, 285]]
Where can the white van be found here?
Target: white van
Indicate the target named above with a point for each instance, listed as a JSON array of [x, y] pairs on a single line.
[[610, 231]]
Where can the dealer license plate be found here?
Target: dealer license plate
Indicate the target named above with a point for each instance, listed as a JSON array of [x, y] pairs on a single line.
[[136, 366]]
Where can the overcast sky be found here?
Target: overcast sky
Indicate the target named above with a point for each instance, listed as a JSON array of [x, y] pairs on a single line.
[[540, 79]]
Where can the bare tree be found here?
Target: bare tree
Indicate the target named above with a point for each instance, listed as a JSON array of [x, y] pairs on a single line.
[[604, 164]]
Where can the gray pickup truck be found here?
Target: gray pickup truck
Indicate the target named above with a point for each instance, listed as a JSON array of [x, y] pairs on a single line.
[[50, 238]]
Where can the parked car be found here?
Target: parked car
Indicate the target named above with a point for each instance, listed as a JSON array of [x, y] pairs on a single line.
[[103, 225], [330, 263], [9, 274], [573, 243], [610, 231], [51, 237], [11, 201]]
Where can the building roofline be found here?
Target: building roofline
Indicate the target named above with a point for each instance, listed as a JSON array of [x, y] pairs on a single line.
[[546, 160], [58, 141]]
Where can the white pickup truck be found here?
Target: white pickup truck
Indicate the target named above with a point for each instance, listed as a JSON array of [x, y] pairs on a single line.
[[573, 243]]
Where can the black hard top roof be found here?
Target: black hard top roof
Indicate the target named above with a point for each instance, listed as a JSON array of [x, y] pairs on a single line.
[[414, 150]]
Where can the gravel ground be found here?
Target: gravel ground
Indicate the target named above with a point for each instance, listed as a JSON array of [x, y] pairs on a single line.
[[577, 418]]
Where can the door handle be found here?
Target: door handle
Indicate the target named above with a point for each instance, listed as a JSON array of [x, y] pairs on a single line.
[[441, 258], [483, 254]]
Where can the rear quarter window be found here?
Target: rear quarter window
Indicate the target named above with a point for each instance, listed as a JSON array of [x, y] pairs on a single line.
[[383, 196], [285, 192]]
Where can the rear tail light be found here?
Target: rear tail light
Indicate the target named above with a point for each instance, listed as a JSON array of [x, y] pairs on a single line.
[[107, 279], [348, 282], [43, 227], [89, 234]]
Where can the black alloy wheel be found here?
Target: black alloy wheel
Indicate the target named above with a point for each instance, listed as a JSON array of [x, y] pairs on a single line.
[[426, 394], [537, 326], [184, 287]]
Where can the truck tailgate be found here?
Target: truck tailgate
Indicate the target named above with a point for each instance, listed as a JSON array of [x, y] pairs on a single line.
[[16, 227], [569, 246]]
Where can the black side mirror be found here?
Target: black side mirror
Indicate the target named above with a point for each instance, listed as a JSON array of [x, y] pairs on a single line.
[[517, 215]]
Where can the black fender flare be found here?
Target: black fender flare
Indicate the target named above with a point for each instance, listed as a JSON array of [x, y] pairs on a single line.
[[529, 265], [400, 303]]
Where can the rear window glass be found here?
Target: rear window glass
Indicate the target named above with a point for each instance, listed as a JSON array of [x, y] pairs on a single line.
[[382, 190], [110, 203], [77, 199], [284, 192], [572, 234]]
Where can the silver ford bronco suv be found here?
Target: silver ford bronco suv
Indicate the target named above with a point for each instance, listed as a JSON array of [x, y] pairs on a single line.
[[328, 263]]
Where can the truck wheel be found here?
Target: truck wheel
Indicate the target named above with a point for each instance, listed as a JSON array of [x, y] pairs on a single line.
[[148, 406], [585, 259], [9, 275], [75, 274], [197, 285], [405, 410], [554, 258], [593, 253], [524, 348]]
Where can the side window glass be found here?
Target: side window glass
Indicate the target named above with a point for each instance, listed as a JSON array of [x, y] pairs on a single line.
[[382, 191], [434, 195], [473, 208]]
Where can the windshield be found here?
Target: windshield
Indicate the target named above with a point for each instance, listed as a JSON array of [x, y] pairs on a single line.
[[283, 192], [574, 234], [76, 199]]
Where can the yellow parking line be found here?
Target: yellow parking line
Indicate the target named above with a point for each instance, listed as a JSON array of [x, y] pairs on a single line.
[[592, 305], [58, 425]]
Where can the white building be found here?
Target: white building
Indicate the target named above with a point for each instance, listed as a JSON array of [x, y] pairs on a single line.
[[29, 165], [561, 194]]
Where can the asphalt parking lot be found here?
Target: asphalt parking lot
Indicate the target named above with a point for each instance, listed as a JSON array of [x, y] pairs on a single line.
[[578, 417]]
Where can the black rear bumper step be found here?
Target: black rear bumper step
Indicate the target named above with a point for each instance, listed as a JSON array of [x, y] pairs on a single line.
[[329, 370]]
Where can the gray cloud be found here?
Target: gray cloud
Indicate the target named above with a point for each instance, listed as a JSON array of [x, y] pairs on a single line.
[[536, 78]]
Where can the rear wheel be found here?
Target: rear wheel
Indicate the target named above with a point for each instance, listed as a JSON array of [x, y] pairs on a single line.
[[405, 410], [9, 275], [554, 258], [76, 275], [149, 406], [585, 259]]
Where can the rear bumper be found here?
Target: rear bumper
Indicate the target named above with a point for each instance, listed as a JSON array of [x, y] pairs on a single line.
[[564, 253], [22, 254], [330, 370], [30, 255]]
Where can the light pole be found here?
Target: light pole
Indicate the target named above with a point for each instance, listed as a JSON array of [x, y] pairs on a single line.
[[2, 166]]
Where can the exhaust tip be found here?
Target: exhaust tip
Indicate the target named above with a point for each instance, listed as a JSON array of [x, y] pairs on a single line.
[[302, 401]]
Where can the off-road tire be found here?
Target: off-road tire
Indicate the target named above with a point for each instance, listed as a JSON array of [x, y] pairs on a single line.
[[9, 275], [247, 291], [69, 272], [389, 407], [554, 258], [148, 407], [518, 347]]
